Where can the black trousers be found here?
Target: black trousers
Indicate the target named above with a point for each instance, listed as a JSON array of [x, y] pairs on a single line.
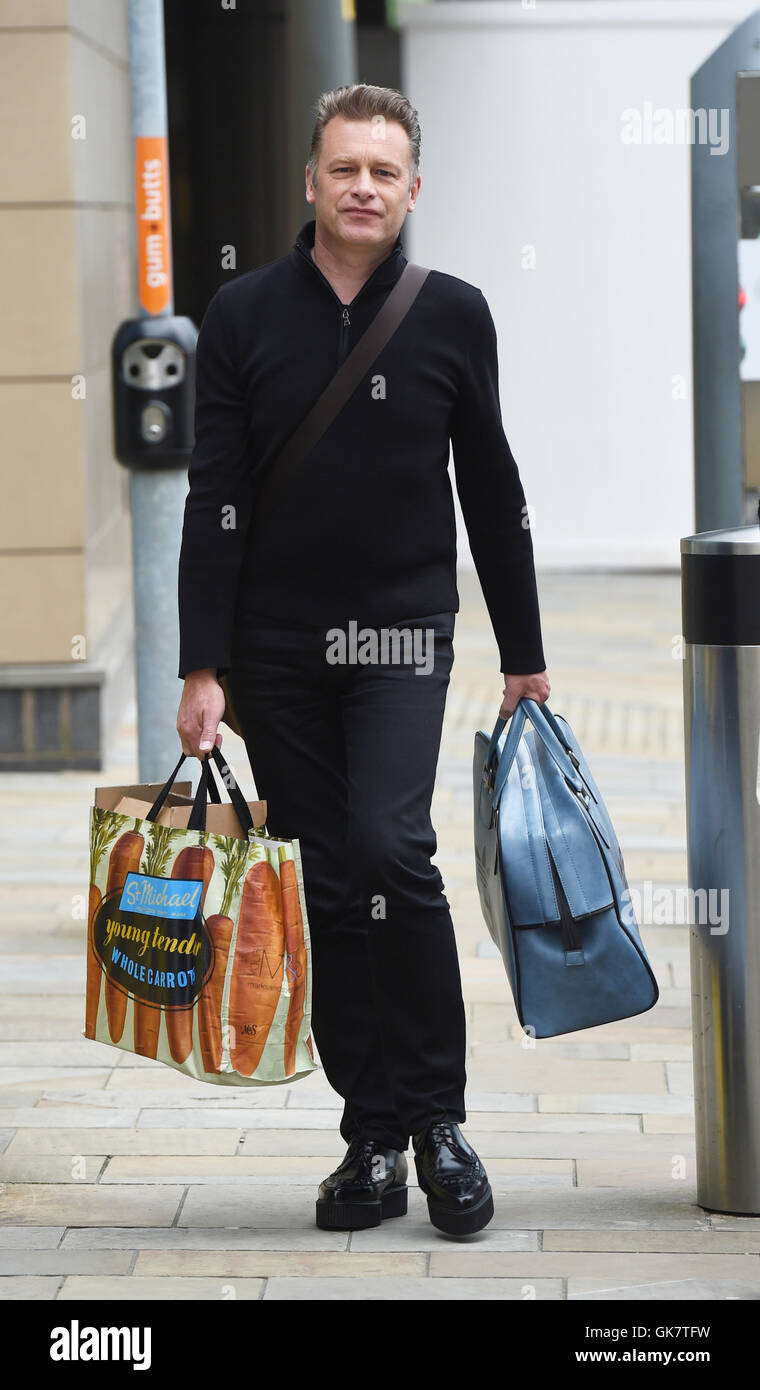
[[345, 756]]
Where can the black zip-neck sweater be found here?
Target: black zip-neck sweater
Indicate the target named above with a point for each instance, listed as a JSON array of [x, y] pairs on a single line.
[[367, 529]]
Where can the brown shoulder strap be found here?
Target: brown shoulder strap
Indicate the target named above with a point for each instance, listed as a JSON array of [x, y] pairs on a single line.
[[346, 379]]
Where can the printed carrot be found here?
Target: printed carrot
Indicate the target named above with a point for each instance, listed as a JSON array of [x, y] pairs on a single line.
[[104, 825], [196, 862], [125, 859], [234, 855], [94, 968], [147, 1016], [295, 959], [147, 1026], [210, 1005], [256, 981]]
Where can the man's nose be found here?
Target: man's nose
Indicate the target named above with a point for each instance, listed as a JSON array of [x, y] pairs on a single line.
[[364, 183]]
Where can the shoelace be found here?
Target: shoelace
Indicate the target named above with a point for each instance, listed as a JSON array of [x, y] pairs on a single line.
[[442, 1132], [364, 1150]]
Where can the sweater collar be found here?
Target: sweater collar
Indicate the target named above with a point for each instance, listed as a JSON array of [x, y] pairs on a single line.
[[386, 273]]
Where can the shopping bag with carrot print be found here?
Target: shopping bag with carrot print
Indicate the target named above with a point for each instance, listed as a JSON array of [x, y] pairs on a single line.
[[198, 949]]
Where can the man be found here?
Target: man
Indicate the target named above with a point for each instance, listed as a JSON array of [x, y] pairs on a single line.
[[345, 750]]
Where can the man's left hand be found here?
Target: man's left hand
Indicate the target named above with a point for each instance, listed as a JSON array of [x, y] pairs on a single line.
[[535, 687]]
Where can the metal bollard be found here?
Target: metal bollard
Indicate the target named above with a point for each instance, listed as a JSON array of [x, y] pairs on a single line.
[[720, 595]]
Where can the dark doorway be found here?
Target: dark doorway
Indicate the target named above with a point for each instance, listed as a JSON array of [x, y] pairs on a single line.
[[231, 146]]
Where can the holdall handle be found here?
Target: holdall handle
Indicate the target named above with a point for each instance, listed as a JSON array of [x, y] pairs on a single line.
[[548, 737], [544, 712], [207, 787], [548, 729], [507, 756], [157, 806], [518, 715], [498, 730], [554, 745]]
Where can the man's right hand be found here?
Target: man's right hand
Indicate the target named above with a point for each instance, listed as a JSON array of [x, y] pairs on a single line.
[[201, 708]]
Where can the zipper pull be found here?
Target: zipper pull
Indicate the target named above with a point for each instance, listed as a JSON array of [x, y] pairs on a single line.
[[346, 317]]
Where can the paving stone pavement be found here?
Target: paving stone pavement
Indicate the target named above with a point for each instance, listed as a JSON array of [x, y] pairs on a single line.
[[122, 1178]]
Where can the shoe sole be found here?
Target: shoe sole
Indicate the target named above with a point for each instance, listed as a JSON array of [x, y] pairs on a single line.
[[357, 1216], [461, 1223]]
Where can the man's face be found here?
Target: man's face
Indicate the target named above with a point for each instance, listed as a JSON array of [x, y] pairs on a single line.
[[362, 191]]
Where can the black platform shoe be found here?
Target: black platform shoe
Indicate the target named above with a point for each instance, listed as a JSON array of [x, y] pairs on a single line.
[[368, 1185], [452, 1176]]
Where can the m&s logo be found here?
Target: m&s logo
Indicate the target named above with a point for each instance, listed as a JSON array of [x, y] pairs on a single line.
[[161, 897]]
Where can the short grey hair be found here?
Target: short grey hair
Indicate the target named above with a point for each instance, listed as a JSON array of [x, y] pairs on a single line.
[[361, 102]]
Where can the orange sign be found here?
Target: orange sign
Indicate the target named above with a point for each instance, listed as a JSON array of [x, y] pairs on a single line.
[[154, 248]]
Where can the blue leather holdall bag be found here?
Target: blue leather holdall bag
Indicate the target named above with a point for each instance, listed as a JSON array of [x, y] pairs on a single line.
[[551, 879]]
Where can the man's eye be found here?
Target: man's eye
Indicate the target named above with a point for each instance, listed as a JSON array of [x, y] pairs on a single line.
[[346, 169]]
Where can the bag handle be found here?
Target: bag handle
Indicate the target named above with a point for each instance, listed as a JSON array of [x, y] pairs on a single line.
[[342, 385], [544, 712], [207, 789], [157, 806], [555, 745], [207, 785], [517, 717], [498, 775]]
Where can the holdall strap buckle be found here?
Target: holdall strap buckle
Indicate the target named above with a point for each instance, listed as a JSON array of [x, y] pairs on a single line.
[[576, 764], [583, 795], [582, 792]]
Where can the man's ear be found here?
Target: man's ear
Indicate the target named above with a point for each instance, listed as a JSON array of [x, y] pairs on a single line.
[[310, 195], [414, 194]]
